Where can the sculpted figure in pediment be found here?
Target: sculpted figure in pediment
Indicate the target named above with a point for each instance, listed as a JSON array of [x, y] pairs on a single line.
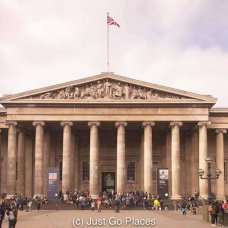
[[82, 95], [148, 94], [117, 91], [141, 94], [99, 89], [47, 95], [126, 91], [87, 92], [134, 93], [68, 93], [107, 88], [60, 94], [76, 93], [93, 91]]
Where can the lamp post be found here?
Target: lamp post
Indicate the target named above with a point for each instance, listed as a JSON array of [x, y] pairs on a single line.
[[209, 176]]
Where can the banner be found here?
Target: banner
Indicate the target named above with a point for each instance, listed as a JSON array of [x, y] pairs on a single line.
[[53, 183], [163, 183]]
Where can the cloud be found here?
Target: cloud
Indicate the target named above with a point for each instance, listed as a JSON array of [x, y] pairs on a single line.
[[175, 43]]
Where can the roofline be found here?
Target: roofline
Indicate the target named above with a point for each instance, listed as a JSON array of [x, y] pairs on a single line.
[[113, 76]]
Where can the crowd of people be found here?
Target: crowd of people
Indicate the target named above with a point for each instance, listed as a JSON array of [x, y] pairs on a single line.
[[216, 210], [10, 208], [112, 200], [129, 200]]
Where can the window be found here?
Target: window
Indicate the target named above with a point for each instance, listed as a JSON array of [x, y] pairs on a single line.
[[85, 171], [131, 171], [60, 170]]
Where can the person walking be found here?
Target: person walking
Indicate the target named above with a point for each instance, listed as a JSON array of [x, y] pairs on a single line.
[[12, 215], [184, 207]]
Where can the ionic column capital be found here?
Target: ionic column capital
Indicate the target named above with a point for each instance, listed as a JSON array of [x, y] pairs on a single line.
[[223, 131], [204, 123], [176, 123], [121, 123], [148, 123], [14, 123], [96, 123], [41, 123], [69, 123]]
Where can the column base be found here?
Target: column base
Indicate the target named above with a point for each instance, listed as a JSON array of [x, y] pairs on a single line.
[[176, 197], [94, 197], [38, 196], [205, 197], [9, 196], [220, 198]]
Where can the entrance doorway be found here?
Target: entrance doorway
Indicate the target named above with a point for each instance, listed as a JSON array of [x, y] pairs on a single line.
[[108, 181]]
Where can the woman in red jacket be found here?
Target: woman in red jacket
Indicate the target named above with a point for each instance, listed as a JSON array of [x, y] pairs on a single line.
[[99, 202]]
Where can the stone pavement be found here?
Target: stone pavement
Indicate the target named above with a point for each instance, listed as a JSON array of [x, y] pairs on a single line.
[[107, 218]]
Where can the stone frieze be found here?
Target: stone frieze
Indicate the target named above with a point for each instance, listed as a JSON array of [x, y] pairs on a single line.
[[106, 90]]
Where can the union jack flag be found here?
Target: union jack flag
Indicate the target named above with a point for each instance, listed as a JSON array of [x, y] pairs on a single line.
[[110, 21]]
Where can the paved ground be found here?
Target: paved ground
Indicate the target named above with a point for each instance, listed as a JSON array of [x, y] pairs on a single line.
[[62, 219]]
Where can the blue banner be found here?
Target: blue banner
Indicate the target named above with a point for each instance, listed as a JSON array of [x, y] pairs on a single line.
[[53, 183]]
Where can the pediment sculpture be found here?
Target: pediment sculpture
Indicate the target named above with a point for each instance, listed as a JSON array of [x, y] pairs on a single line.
[[107, 90]]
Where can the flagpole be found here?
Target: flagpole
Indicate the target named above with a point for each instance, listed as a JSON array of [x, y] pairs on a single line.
[[107, 43]]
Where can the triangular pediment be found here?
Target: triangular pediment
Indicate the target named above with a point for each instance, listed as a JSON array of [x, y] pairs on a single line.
[[107, 87]]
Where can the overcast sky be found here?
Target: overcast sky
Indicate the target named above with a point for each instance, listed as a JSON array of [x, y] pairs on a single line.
[[177, 43]]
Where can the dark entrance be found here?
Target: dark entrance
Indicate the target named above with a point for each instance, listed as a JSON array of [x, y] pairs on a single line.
[[108, 181]]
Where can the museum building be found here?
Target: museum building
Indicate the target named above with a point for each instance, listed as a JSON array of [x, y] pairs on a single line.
[[109, 132]]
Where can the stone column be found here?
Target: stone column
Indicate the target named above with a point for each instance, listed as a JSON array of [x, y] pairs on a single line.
[[72, 163], [121, 164], [76, 187], [175, 159], [203, 156], [220, 184], [195, 161], [29, 166], [53, 149], [94, 160], [148, 157], [21, 163], [168, 159], [66, 156], [0, 160], [39, 147], [141, 163], [47, 148], [11, 162]]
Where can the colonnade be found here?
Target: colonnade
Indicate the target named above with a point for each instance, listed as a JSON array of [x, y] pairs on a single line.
[[94, 186]]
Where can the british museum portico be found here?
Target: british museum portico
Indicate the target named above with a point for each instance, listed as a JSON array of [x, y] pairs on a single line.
[[110, 132]]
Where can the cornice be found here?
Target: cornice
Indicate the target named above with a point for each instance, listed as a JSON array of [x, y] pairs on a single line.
[[107, 105]]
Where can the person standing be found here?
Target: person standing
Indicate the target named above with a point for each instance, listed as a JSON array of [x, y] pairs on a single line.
[[220, 214], [213, 212], [2, 215], [99, 202], [38, 204], [117, 204]]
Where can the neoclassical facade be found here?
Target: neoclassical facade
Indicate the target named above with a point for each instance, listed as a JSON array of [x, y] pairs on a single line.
[[110, 132]]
